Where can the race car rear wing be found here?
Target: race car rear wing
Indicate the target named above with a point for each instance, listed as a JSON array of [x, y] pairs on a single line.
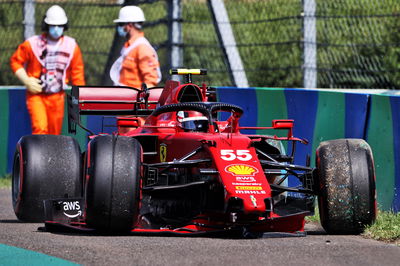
[[97, 100]]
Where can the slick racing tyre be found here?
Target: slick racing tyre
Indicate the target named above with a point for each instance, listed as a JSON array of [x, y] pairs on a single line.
[[113, 188], [45, 167], [346, 175]]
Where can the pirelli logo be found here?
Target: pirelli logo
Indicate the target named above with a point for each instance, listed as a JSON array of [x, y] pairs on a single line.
[[248, 188]]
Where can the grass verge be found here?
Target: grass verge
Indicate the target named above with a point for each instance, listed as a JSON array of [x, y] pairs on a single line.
[[386, 228], [5, 181], [314, 218]]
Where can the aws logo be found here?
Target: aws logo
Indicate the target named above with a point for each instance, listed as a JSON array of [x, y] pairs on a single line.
[[246, 179], [72, 209]]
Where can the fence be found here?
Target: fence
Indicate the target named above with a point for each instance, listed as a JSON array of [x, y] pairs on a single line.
[[280, 43]]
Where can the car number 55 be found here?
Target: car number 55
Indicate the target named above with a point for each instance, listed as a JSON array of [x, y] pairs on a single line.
[[230, 155]]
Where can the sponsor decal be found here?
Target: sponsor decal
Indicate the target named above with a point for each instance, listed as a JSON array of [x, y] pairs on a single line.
[[246, 184], [245, 179], [167, 124], [241, 170], [258, 192], [230, 155], [72, 209], [253, 200], [163, 152], [248, 188]]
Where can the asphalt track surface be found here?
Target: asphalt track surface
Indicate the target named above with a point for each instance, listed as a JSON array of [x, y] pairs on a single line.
[[316, 248]]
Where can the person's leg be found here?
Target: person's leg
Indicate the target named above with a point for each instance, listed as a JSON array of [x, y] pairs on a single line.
[[37, 111], [55, 112]]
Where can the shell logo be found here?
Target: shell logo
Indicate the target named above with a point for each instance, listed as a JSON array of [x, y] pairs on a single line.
[[241, 170]]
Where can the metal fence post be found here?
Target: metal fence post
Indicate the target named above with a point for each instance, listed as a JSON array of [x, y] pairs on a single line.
[[310, 44], [29, 18], [227, 38]]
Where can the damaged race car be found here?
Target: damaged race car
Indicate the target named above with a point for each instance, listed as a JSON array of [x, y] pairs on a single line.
[[178, 164]]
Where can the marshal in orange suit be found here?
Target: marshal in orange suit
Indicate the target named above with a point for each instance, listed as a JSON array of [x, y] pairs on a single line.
[[45, 64]]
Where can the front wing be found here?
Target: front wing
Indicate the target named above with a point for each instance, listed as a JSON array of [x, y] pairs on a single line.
[[66, 215]]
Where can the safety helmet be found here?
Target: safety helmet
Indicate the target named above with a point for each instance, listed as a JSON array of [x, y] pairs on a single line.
[[55, 15], [130, 14], [196, 124]]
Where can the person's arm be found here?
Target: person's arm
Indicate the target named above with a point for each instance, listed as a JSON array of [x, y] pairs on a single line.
[[17, 61], [148, 66], [20, 57], [76, 68]]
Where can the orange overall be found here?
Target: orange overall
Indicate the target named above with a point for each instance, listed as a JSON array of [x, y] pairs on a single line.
[[46, 109], [138, 64]]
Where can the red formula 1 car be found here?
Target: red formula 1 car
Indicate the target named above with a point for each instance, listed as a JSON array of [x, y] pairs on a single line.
[[179, 164]]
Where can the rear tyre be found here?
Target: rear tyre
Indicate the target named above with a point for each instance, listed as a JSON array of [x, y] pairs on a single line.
[[346, 175], [45, 167], [113, 188]]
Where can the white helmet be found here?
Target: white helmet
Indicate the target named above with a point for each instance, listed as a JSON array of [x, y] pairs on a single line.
[[130, 14], [196, 124], [55, 15]]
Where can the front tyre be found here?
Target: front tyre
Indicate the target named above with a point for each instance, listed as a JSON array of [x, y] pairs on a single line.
[[45, 167], [346, 175], [113, 187]]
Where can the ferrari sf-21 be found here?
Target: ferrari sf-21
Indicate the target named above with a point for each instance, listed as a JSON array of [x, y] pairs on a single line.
[[178, 163]]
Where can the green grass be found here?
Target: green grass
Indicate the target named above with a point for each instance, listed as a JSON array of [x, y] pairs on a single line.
[[314, 218], [386, 228], [5, 181]]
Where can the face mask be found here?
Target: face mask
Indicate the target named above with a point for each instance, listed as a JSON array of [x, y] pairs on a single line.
[[121, 31], [56, 31]]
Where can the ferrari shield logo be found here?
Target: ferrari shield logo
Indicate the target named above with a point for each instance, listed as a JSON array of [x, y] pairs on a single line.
[[163, 152]]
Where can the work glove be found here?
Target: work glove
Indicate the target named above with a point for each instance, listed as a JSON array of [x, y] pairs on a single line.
[[32, 84]]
